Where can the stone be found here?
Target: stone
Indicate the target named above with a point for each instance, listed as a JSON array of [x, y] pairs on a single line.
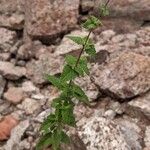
[[14, 95], [29, 87], [88, 87], [110, 114], [6, 125], [86, 5], [67, 45], [30, 106], [124, 77], [4, 106], [4, 56], [131, 133], [141, 104], [75, 143], [99, 133], [147, 137], [2, 87], [117, 107], [46, 19], [119, 25], [12, 14], [138, 9], [11, 72], [107, 34], [14, 142], [40, 118], [47, 64], [7, 39]]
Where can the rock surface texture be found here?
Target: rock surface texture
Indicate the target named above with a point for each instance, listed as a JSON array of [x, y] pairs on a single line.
[[33, 43], [46, 18], [126, 76], [12, 14], [99, 133]]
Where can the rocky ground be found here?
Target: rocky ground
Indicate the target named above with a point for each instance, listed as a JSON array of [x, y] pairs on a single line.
[[33, 42]]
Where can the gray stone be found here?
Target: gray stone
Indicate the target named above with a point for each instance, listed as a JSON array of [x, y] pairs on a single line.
[[12, 14], [47, 64], [125, 76], [107, 34], [117, 107], [16, 135], [29, 87], [9, 71], [147, 137], [141, 104], [4, 56], [30, 106], [2, 85], [67, 45], [40, 118], [88, 87], [7, 39], [110, 114], [99, 133], [131, 133]]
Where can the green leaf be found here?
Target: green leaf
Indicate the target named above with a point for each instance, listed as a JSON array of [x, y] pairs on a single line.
[[68, 74], [83, 65], [55, 81], [81, 68], [79, 94], [90, 49], [48, 123], [44, 142], [65, 138], [104, 11], [71, 60], [67, 114], [91, 23], [77, 39], [56, 139]]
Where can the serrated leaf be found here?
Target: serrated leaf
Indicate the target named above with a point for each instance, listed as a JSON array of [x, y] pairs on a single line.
[[83, 65], [77, 39], [55, 81], [65, 138], [56, 139], [44, 142], [48, 123], [104, 11], [90, 50], [68, 74], [71, 60], [91, 23], [67, 114], [56, 102], [81, 68], [79, 94]]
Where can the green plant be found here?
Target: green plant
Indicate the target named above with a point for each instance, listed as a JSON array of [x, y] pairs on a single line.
[[52, 129]]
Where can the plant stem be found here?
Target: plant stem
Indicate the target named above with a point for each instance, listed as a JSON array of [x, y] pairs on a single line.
[[107, 3], [82, 50]]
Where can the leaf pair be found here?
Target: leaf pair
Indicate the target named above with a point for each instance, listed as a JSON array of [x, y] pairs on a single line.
[[104, 11], [81, 68], [86, 43], [54, 139], [91, 23]]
